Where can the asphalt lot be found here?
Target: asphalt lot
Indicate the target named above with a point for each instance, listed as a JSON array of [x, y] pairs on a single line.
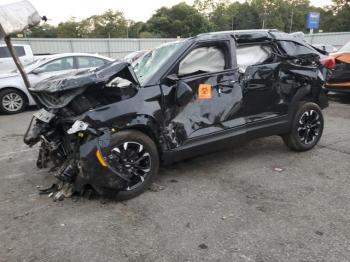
[[256, 202]]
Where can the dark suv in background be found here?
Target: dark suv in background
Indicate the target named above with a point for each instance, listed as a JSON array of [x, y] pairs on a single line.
[[111, 128]]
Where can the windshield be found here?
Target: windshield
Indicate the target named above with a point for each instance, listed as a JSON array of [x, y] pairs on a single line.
[[28, 67], [345, 48], [148, 64]]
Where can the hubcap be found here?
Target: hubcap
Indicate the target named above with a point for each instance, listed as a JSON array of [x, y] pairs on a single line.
[[132, 160], [12, 102], [309, 127]]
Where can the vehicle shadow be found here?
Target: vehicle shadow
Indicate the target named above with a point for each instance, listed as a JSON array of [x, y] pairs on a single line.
[[343, 98], [207, 162]]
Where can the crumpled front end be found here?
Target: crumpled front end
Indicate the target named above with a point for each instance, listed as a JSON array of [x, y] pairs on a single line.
[[75, 149], [94, 167]]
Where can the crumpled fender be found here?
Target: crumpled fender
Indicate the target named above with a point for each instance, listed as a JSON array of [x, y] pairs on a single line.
[[90, 170]]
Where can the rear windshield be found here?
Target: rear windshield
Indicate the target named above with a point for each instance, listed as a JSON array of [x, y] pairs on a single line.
[[295, 49], [4, 52]]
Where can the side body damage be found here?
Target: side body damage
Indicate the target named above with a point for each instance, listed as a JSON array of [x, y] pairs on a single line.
[[188, 97]]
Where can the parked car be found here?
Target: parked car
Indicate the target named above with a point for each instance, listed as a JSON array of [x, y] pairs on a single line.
[[132, 57], [327, 48], [24, 52], [110, 129], [14, 96], [340, 78]]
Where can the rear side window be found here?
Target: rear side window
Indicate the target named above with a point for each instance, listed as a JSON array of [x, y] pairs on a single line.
[[5, 53], [252, 55], [295, 49], [207, 59], [58, 65], [87, 62]]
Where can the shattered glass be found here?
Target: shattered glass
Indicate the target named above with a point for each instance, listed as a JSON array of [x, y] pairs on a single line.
[[148, 64], [296, 49], [252, 55]]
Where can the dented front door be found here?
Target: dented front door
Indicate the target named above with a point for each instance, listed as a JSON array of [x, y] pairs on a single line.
[[216, 101]]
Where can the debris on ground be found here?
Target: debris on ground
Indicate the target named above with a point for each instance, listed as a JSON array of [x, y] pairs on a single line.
[[278, 169], [156, 187], [203, 246], [58, 191]]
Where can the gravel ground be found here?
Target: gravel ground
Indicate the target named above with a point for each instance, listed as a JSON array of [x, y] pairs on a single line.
[[255, 202]]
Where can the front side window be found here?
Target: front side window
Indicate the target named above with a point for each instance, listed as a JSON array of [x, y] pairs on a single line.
[[90, 62], [58, 65], [208, 59]]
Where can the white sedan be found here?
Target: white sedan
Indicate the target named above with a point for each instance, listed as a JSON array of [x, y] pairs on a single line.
[[14, 96]]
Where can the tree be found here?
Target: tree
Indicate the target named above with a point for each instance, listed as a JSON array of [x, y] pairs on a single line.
[[45, 30], [235, 16], [205, 15], [135, 28], [180, 20], [109, 24], [208, 6], [340, 4], [69, 29]]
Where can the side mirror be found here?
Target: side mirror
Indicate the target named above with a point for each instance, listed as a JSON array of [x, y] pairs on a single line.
[[38, 70], [183, 93]]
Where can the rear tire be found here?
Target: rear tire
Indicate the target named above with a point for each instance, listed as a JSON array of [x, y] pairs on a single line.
[[12, 101], [128, 147], [306, 128]]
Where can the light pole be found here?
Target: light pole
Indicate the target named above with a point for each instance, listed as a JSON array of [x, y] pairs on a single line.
[[128, 23], [291, 21], [264, 15]]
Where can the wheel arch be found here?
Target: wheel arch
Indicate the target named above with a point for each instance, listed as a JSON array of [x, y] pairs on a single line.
[[17, 89], [150, 127], [308, 93]]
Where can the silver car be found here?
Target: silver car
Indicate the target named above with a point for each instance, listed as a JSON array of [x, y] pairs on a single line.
[[14, 96]]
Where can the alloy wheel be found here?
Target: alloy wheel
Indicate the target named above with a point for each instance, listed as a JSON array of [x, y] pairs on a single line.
[[12, 102], [309, 127], [133, 160]]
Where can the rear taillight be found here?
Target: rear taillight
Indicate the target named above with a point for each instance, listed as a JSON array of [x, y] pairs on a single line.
[[328, 62]]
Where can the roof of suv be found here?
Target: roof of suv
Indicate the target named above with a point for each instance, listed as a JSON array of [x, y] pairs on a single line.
[[252, 35]]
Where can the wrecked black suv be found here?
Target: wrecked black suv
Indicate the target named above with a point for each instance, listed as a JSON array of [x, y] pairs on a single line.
[[110, 129]]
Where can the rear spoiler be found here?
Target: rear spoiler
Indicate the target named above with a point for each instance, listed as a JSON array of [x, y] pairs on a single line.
[[14, 18]]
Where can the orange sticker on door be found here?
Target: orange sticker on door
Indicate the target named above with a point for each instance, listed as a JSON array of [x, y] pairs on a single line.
[[204, 91]]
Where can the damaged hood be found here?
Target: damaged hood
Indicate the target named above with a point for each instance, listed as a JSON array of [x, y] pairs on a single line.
[[85, 78], [58, 91]]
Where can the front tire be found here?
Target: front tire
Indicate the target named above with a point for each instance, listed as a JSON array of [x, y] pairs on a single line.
[[12, 101], [136, 155], [306, 128]]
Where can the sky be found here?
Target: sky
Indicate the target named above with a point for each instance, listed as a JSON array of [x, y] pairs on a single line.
[[137, 10]]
